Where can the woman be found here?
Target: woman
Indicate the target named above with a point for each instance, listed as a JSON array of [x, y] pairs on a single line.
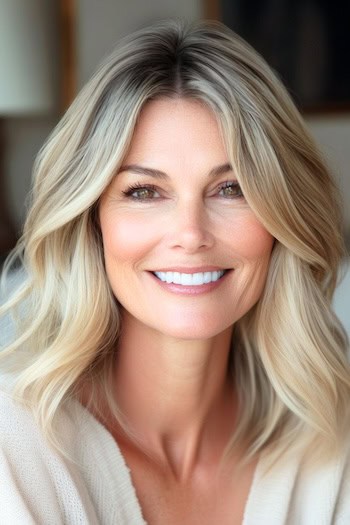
[[177, 359]]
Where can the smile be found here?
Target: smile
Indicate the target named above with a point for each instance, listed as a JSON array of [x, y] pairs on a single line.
[[190, 279]]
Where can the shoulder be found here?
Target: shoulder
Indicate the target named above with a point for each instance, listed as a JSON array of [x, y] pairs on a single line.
[[299, 492], [322, 492], [17, 424], [39, 485], [23, 445], [23, 439], [93, 486], [22, 467]]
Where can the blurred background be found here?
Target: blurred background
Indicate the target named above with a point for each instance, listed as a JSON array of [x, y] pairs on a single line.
[[50, 48]]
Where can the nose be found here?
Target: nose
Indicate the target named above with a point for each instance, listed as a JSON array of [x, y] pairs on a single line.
[[190, 227]]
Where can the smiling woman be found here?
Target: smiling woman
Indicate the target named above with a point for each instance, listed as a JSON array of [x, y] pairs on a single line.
[[176, 357], [191, 225]]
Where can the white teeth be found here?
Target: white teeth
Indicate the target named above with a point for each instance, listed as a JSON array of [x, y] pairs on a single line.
[[177, 278], [186, 278], [198, 278], [207, 277], [192, 279]]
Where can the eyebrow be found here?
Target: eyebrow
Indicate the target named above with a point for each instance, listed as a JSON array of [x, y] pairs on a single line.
[[142, 170]]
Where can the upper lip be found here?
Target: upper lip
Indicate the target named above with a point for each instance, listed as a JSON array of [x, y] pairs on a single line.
[[196, 269]]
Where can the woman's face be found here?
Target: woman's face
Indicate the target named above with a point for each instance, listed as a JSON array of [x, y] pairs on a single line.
[[175, 208]]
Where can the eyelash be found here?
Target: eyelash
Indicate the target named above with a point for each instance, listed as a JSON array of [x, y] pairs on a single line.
[[139, 186]]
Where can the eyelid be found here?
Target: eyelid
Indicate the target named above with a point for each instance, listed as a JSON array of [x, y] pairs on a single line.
[[234, 182]]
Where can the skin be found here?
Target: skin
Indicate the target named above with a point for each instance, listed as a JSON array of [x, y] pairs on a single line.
[[171, 368]]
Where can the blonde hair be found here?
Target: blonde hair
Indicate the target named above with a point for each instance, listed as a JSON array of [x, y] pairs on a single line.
[[289, 351]]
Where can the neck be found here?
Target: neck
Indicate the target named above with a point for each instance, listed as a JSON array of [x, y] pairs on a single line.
[[176, 394]]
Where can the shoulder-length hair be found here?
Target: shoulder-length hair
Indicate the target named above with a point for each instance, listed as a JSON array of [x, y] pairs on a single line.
[[288, 355]]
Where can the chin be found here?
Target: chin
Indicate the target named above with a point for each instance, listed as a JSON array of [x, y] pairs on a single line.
[[191, 332]]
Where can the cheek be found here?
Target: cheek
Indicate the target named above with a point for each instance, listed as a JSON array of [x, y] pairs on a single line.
[[250, 240], [125, 238], [253, 247], [257, 243]]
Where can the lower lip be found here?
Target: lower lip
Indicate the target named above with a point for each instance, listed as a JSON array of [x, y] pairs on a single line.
[[191, 290]]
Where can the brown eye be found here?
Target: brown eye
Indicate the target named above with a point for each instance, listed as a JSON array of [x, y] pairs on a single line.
[[231, 190], [144, 193], [140, 193]]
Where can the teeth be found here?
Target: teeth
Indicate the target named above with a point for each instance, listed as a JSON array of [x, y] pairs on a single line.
[[192, 279], [177, 278], [186, 278], [169, 277]]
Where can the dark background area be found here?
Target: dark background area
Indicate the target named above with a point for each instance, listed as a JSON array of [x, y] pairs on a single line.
[[306, 41]]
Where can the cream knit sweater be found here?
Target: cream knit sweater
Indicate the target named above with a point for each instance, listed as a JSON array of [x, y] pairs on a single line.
[[38, 487]]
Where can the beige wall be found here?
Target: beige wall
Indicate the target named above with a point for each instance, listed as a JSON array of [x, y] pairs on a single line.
[[99, 29], [24, 136], [333, 135]]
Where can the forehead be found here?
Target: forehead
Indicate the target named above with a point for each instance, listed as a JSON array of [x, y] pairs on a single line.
[[175, 127]]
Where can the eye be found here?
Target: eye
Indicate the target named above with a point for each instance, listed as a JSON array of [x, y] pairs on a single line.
[[231, 190], [141, 192]]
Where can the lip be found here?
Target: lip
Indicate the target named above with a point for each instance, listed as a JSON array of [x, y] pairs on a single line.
[[191, 290]]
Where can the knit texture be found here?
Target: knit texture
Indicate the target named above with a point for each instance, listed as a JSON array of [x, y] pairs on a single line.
[[40, 487]]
